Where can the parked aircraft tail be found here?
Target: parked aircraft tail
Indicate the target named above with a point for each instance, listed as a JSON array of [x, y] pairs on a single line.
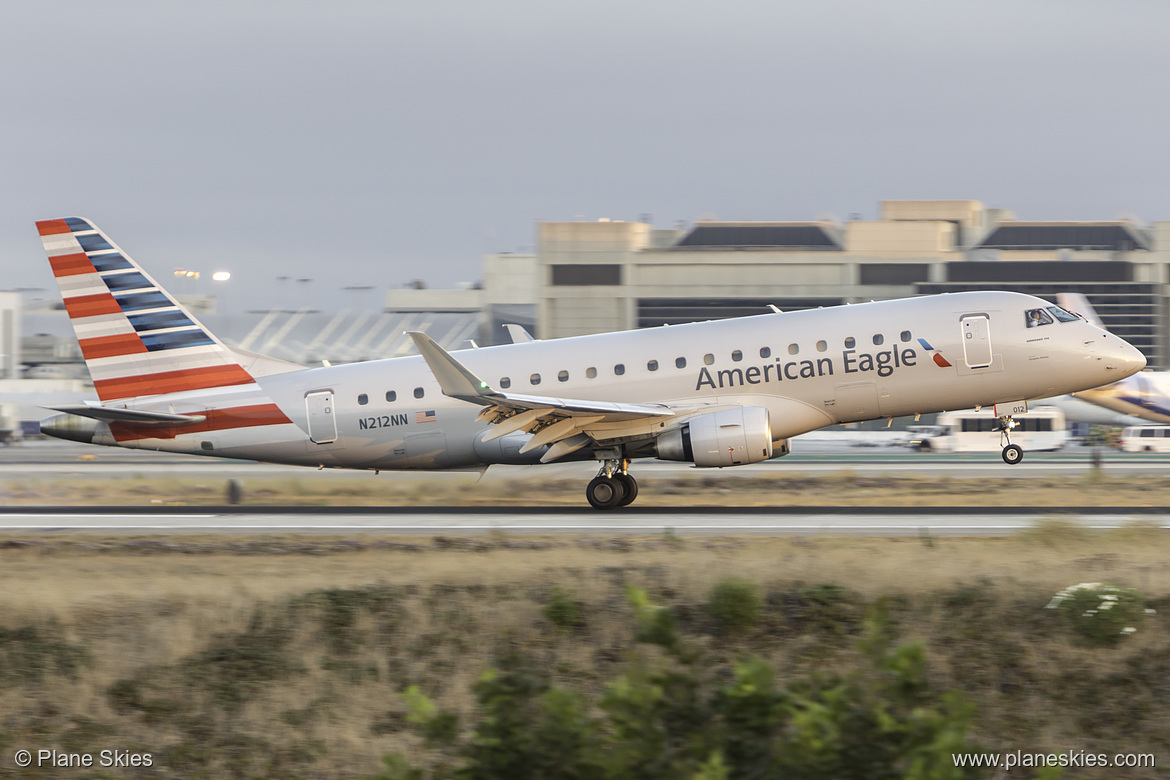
[[137, 340], [1077, 303]]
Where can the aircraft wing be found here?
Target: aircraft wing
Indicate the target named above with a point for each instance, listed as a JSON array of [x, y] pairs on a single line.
[[565, 423]]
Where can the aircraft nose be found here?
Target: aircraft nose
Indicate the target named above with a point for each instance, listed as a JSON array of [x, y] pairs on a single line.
[[1121, 357]]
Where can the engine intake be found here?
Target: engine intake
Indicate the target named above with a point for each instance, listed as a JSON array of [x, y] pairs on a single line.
[[730, 437]]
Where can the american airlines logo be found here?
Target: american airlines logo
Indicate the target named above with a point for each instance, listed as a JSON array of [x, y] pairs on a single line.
[[939, 360]]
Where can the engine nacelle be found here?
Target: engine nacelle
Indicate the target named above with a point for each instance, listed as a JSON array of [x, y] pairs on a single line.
[[730, 437]]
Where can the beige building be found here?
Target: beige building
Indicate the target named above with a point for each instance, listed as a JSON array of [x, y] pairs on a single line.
[[612, 275], [10, 358], [508, 294]]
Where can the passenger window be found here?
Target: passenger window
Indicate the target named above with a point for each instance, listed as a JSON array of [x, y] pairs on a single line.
[[878, 339], [363, 399], [905, 335], [591, 373], [1147, 432], [505, 382], [736, 356], [652, 365], [765, 352], [850, 343], [534, 379], [793, 349], [822, 346], [391, 396], [619, 369], [563, 376], [680, 362], [708, 358], [1038, 317], [418, 392]]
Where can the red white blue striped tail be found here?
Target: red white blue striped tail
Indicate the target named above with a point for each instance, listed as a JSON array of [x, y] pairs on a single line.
[[136, 339]]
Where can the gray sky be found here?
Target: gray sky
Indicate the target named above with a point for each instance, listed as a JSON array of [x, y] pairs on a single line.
[[378, 142]]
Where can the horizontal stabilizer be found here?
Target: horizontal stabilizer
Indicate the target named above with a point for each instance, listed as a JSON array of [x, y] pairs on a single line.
[[128, 416]]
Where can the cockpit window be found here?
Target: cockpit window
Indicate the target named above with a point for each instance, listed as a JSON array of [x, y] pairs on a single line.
[[1037, 317], [1062, 315]]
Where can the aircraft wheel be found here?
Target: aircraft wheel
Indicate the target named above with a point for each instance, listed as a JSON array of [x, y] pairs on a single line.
[[605, 492], [630, 486], [1012, 454]]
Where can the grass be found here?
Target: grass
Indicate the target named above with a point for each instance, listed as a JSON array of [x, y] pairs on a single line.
[[840, 489], [288, 656]]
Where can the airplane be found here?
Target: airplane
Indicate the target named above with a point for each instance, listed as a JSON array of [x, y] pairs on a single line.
[[1145, 395], [714, 394]]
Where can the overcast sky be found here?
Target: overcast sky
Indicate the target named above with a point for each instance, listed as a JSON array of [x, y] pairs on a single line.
[[378, 142]]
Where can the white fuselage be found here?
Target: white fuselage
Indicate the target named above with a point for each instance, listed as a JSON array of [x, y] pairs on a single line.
[[809, 369]]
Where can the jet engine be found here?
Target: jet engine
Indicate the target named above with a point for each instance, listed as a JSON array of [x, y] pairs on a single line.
[[730, 437]]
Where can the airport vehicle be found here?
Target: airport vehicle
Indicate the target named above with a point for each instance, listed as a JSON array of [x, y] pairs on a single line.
[[10, 431], [1145, 438], [1041, 428], [714, 394]]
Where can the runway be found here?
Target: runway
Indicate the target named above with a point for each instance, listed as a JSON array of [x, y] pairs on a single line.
[[780, 521], [57, 459]]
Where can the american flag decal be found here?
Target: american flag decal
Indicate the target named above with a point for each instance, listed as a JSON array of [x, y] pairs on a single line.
[[422, 417]]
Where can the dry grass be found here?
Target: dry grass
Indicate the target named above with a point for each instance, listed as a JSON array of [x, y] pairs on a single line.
[[330, 640], [842, 489]]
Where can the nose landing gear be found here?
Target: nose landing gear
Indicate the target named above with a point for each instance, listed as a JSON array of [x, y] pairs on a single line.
[[1012, 453], [613, 486]]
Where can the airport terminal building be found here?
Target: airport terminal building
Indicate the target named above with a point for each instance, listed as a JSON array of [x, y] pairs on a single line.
[[604, 275], [611, 275]]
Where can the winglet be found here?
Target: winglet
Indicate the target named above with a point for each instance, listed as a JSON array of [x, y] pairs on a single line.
[[455, 379], [518, 334]]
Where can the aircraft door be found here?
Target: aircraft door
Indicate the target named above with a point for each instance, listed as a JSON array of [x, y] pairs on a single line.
[[976, 340], [322, 417], [856, 401]]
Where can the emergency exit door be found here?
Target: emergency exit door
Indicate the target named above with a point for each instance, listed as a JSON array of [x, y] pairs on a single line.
[[322, 417], [977, 340]]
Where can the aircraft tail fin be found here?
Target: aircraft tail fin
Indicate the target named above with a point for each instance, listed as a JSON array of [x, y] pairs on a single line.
[[137, 340]]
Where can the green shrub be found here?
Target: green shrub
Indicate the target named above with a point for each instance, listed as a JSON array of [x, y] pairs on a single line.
[[564, 611], [675, 714], [735, 605], [1100, 613]]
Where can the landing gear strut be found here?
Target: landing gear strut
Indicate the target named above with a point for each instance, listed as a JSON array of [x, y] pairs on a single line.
[[1012, 453], [613, 486]]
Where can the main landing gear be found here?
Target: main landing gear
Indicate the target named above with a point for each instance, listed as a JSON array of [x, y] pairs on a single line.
[[613, 486], [1012, 453]]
